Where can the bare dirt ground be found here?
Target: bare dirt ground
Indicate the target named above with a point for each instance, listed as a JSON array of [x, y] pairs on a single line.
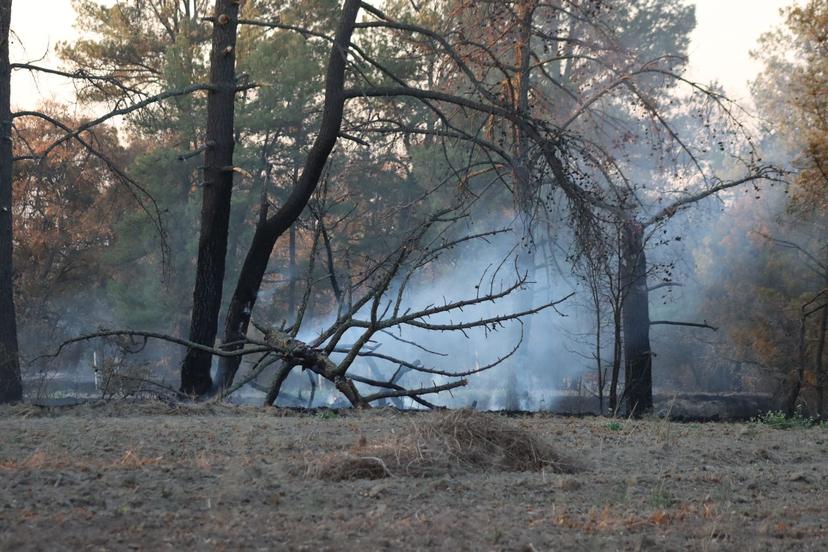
[[153, 477]]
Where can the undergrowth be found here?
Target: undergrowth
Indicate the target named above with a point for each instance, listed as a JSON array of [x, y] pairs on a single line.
[[778, 419]]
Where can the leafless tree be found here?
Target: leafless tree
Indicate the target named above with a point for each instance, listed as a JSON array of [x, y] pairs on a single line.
[[375, 305]]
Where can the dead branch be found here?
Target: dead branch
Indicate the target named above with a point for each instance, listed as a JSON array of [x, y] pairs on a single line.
[[391, 385], [415, 392], [688, 324], [764, 173], [664, 285], [152, 335], [123, 111]]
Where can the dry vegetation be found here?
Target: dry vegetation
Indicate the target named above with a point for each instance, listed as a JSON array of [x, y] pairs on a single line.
[[149, 475], [446, 443]]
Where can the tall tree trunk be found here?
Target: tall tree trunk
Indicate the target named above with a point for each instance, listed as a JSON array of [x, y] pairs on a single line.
[[292, 269], [636, 322], [11, 388], [819, 363], [799, 377], [617, 298], [266, 234], [518, 89], [523, 188], [599, 366], [616, 359], [215, 207]]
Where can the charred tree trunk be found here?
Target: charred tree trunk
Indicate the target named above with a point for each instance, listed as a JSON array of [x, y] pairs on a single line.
[[215, 208], [11, 388], [266, 234], [638, 392], [282, 373]]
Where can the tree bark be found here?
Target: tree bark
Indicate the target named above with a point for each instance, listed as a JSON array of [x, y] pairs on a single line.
[[617, 294], [616, 360], [523, 187], [282, 373], [638, 391], [819, 363], [11, 388], [796, 386], [266, 234], [215, 207], [599, 366]]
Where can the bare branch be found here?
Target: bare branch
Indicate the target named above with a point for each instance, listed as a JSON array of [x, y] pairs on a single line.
[[414, 392], [689, 324]]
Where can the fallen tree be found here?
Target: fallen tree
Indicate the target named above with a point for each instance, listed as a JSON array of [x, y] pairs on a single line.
[[374, 305]]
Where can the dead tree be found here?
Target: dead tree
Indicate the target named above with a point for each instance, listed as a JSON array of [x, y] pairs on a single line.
[[217, 191], [376, 306], [11, 388]]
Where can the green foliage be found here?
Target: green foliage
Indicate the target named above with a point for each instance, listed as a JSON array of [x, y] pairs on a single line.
[[777, 419], [140, 297]]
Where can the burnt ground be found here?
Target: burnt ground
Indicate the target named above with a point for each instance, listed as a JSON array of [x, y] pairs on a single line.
[[148, 476]]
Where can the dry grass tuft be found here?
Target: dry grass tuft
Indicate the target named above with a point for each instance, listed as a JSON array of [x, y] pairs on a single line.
[[449, 442]]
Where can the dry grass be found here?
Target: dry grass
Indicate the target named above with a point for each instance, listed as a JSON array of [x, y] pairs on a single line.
[[128, 408], [454, 441]]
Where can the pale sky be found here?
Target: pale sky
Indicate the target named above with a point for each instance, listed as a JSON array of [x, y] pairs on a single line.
[[727, 30]]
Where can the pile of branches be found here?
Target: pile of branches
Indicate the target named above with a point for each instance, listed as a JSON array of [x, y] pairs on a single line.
[[448, 442]]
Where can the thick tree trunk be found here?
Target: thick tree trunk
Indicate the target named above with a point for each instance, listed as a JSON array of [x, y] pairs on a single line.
[[266, 235], [636, 322], [215, 208], [11, 388]]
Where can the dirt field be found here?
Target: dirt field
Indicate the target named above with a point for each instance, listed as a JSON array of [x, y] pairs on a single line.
[[151, 477]]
